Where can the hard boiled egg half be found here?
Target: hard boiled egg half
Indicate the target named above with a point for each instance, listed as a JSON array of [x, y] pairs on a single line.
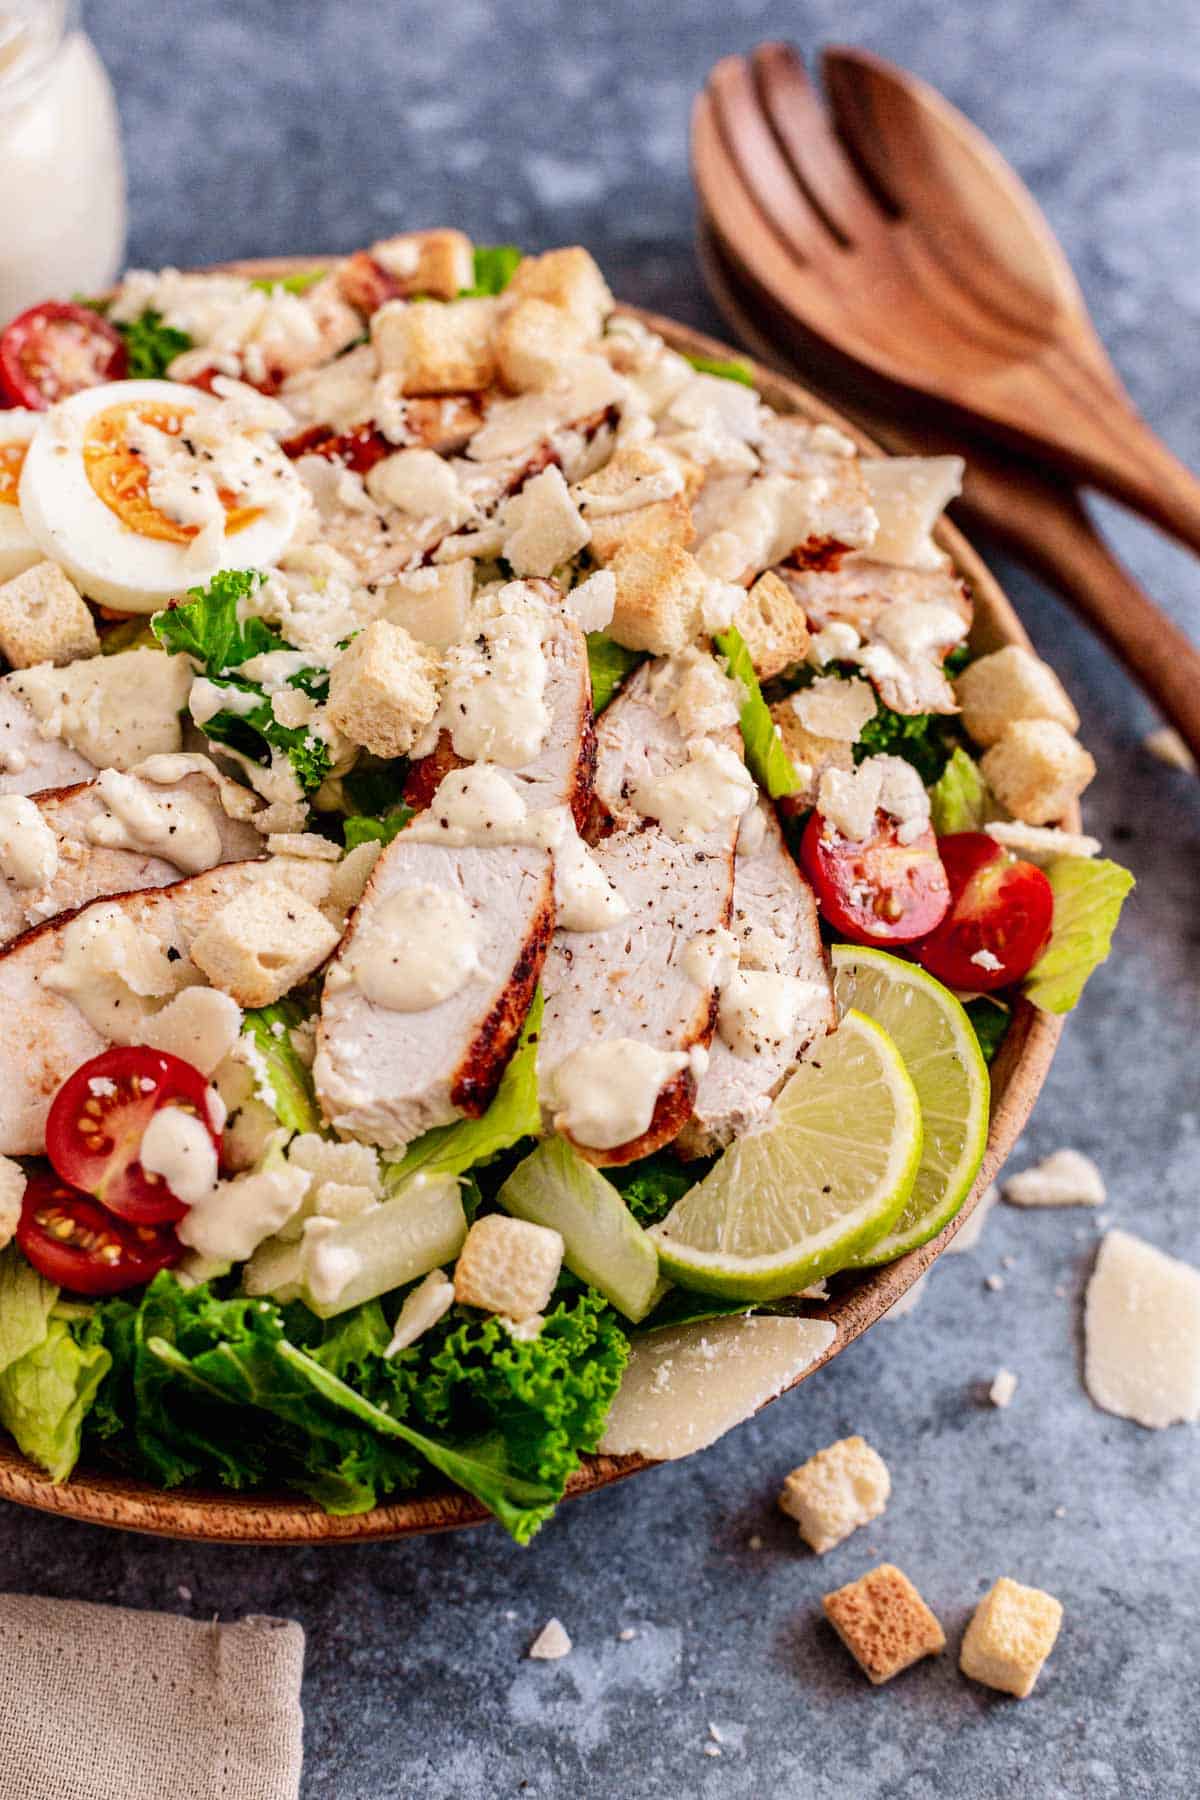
[[143, 489], [18, 548]]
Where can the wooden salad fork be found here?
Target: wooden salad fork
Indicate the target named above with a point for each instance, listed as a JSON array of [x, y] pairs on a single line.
[[889, 227], [1034, 514]]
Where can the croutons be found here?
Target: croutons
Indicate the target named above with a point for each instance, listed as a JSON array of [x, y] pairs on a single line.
[[437, 349], [382, 691], [432, 603], [810, 754], [1037, 769], [659, 526], [508, 1266], [543, 526], [262, 943], [774, 626], [12, 1192], [660, 593], [44, 620], [568, 279], [883, 1622], [1011, 684], [1011, 1633], [836, 1491], [440, 263], [533, 342]]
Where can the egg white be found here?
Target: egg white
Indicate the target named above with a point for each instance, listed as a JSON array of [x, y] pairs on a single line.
[[18, 548], [108, 560]]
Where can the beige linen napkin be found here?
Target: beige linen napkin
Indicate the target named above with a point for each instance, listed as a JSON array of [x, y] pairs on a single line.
[[98, 1703]]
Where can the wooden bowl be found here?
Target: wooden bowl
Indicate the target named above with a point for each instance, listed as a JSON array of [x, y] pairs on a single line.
[[103, 1498]]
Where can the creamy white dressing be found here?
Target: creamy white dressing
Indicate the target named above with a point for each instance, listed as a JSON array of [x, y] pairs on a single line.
[[232, 1220], [605, 1094], [207, 698], [28, 847], [585, 899], [177, 1147], [848, 801], [327, 1265], [836, 642], [493, 700], [273, 669], [711, 959], [113, 972], [712, 788], [752, 831], [166, 769], [759, 1010], [420, 947], [176, 824]]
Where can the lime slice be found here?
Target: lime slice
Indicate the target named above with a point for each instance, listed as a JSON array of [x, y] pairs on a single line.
[[827, 1172], [941, 1053]]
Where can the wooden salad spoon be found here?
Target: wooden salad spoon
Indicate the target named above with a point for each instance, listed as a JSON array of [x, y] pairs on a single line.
[[1035, 515], [890, 228]]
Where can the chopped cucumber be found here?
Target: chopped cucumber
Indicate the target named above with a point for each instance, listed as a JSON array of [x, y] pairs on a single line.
[[383, 1248], [602, 1242]]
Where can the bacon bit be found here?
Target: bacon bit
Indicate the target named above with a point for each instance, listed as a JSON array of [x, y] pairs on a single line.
[[817, 553], [359, 449], [366, 284]]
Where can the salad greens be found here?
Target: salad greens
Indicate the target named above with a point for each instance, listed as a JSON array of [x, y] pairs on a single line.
[[495, 266], [208, 628], [769, 762], [284, 1081], [360, 829], [990, 1020], [651, 1187], [50, 1367], [152, 346], [298, 283], [732, 370], [959, 799], [1088, 896], [926, 740], [609, 663]]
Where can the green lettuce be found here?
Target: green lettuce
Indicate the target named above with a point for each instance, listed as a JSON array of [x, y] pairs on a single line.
[[359, 829], [515, 1113], [46, 1393], [291, 284], [960, 799], [651, 1187], [733, 370], [990, 1020], [26, 1299], [151, 346], [208, 628], [926, 740], [284, 1081], [769, 762], [495, 266], [609, 663], [1088, 896]]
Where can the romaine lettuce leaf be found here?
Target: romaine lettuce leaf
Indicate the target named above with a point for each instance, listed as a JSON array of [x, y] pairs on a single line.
[[359, 829], [515, 1113], [25, 1302], [732, 370], [609, 663], [990, 1020], [291, 284], [283, 1081], [769, 762], [46, 1393], [960, 799], [1088, 896], [495, 266]]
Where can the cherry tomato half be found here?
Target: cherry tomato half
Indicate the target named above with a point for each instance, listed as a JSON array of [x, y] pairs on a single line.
[[880, 891], [54, 350], [72, 1240], [95, 1126], [999, 918]]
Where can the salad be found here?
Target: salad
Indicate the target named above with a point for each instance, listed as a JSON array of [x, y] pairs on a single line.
[[504, 849]]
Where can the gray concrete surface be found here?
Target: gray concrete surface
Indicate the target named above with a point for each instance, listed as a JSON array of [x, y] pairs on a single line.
[[263, 127]]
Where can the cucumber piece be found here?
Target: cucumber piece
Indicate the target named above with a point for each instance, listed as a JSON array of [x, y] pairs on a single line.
[[602, 1242], [383, 1248]]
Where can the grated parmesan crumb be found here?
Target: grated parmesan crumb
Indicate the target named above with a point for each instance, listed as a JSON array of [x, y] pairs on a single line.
[[551, 1642], [995, 1282], [1003, 1387]]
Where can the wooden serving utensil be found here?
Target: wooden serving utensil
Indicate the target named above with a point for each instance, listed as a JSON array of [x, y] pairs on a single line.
[[892, 229], [1035, 515]]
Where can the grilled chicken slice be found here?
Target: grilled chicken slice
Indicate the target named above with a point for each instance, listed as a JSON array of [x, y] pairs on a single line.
[[636, 741], [633, 980], [775, 926], [562, 772], [87, 870], [388, 1075], [30, 762], [45, 1035]]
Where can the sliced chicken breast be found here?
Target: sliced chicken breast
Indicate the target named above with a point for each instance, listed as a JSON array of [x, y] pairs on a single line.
[[389, 1075], [87, 870], [45, 1035], [775, 926], [30, 762]]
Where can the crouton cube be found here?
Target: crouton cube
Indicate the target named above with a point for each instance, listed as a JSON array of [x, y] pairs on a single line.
[[1011, 684], [657, 526], [1012, 1632], [774, 626], [440, 262], [432, 603], [12, 1192], [543, 526], [883, 1622], [660, 598], [1037, 769], [262, 943], [382, 689], [508, 1266], [437, 348], [810, 753], [44, 620], [836, 1491], [533, 342], [568, 279]]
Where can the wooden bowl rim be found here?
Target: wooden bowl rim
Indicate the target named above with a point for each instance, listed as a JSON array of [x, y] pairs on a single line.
[[99, 1497]]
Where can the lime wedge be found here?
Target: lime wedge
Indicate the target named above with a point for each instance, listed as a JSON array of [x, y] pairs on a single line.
[[941, 1053], [828, 1171]]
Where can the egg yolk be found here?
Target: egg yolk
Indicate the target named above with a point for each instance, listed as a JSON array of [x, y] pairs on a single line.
[[12, 461], [121, 478]]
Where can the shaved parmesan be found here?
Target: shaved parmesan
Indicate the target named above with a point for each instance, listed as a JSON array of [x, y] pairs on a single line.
[[1068, 1178], [684, 1389], [1142, 1326]]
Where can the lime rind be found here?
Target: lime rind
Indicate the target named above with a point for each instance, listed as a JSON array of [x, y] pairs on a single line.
[[942, 1054], [828, 1172]]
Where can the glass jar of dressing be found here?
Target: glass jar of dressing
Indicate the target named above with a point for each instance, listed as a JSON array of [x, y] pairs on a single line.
[[62, 179]]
